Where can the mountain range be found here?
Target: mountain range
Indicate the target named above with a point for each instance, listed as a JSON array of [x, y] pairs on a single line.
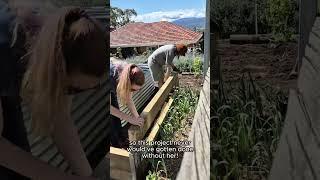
[[192, 23]]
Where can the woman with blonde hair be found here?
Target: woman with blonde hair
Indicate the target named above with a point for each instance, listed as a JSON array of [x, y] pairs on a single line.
[[68, 56], [125, 79]]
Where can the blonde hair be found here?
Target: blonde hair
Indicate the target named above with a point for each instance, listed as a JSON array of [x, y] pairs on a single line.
[[60, 47], [131, 74]]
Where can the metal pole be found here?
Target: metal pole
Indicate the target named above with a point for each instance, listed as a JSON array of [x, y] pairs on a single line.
[[256, 18]]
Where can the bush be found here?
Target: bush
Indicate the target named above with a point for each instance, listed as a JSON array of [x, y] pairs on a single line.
[[238, 16], [197, 66], [281, 18], [274, 16], [190, 63]]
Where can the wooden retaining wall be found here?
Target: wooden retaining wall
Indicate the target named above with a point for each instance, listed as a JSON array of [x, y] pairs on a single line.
[[196, 165], [126, 165], [297, 156]]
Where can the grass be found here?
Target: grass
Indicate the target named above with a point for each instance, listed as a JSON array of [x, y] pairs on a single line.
[[182, 108], [245, 129]]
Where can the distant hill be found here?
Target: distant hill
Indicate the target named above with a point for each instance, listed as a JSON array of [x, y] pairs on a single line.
[[191, 23]]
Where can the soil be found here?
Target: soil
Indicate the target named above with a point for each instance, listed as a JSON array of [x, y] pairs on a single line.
[[268, 63], [191, 80], [173, 165]]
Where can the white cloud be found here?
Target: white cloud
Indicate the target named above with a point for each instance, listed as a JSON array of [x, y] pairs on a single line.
[[169, 15]]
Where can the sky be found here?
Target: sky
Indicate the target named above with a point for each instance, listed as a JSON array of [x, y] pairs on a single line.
[[162, 10]]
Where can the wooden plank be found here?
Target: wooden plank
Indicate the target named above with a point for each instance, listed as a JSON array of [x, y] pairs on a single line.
[[247, 38], [119, 152], [118, 174], [298, 149], [119, 159], [120, 165], [159, 121], [103, 169], [196, 164], [152, 109]]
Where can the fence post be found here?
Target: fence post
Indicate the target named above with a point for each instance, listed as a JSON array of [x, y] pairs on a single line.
[[207, 47]]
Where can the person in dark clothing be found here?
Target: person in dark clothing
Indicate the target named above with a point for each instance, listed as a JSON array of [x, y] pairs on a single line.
[[68, 56], [13, 127], [124, 79]]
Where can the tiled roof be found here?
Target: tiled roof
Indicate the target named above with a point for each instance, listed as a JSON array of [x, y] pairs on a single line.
[[152, 34]]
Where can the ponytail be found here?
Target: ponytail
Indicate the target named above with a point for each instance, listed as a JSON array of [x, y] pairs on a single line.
[[131, 74], [44, 85]]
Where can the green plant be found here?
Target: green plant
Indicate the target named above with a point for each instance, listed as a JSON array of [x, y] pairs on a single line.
[[238, 16], [197, 66], [281, 19], [157, 174], [184, 104], [246, 128], [189, 63]]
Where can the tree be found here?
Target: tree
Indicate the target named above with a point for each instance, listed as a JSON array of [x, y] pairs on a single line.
[[119, 17]]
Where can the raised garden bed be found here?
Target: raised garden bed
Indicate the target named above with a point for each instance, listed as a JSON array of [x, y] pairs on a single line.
[[124, 164]]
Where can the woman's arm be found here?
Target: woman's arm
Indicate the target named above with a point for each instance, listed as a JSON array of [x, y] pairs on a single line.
[[132, 120], [65, 135], [132, 107], [22, 162]]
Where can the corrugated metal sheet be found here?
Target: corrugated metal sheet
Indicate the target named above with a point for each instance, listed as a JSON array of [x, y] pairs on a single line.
[[143, 96], [90, 114], [101, 13]]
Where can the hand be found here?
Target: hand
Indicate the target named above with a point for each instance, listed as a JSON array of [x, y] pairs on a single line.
[[137, 121]]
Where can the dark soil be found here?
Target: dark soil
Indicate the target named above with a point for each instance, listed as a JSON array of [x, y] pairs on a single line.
[[269, 63], [191, 80]]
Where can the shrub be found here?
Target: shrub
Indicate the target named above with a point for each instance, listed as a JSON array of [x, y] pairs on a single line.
[[281, 19]]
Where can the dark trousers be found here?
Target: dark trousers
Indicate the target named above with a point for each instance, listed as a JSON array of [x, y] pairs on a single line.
[[115, 123], [14, 131]]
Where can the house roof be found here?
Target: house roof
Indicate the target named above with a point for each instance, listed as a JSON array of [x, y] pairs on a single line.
[[152, 34]]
